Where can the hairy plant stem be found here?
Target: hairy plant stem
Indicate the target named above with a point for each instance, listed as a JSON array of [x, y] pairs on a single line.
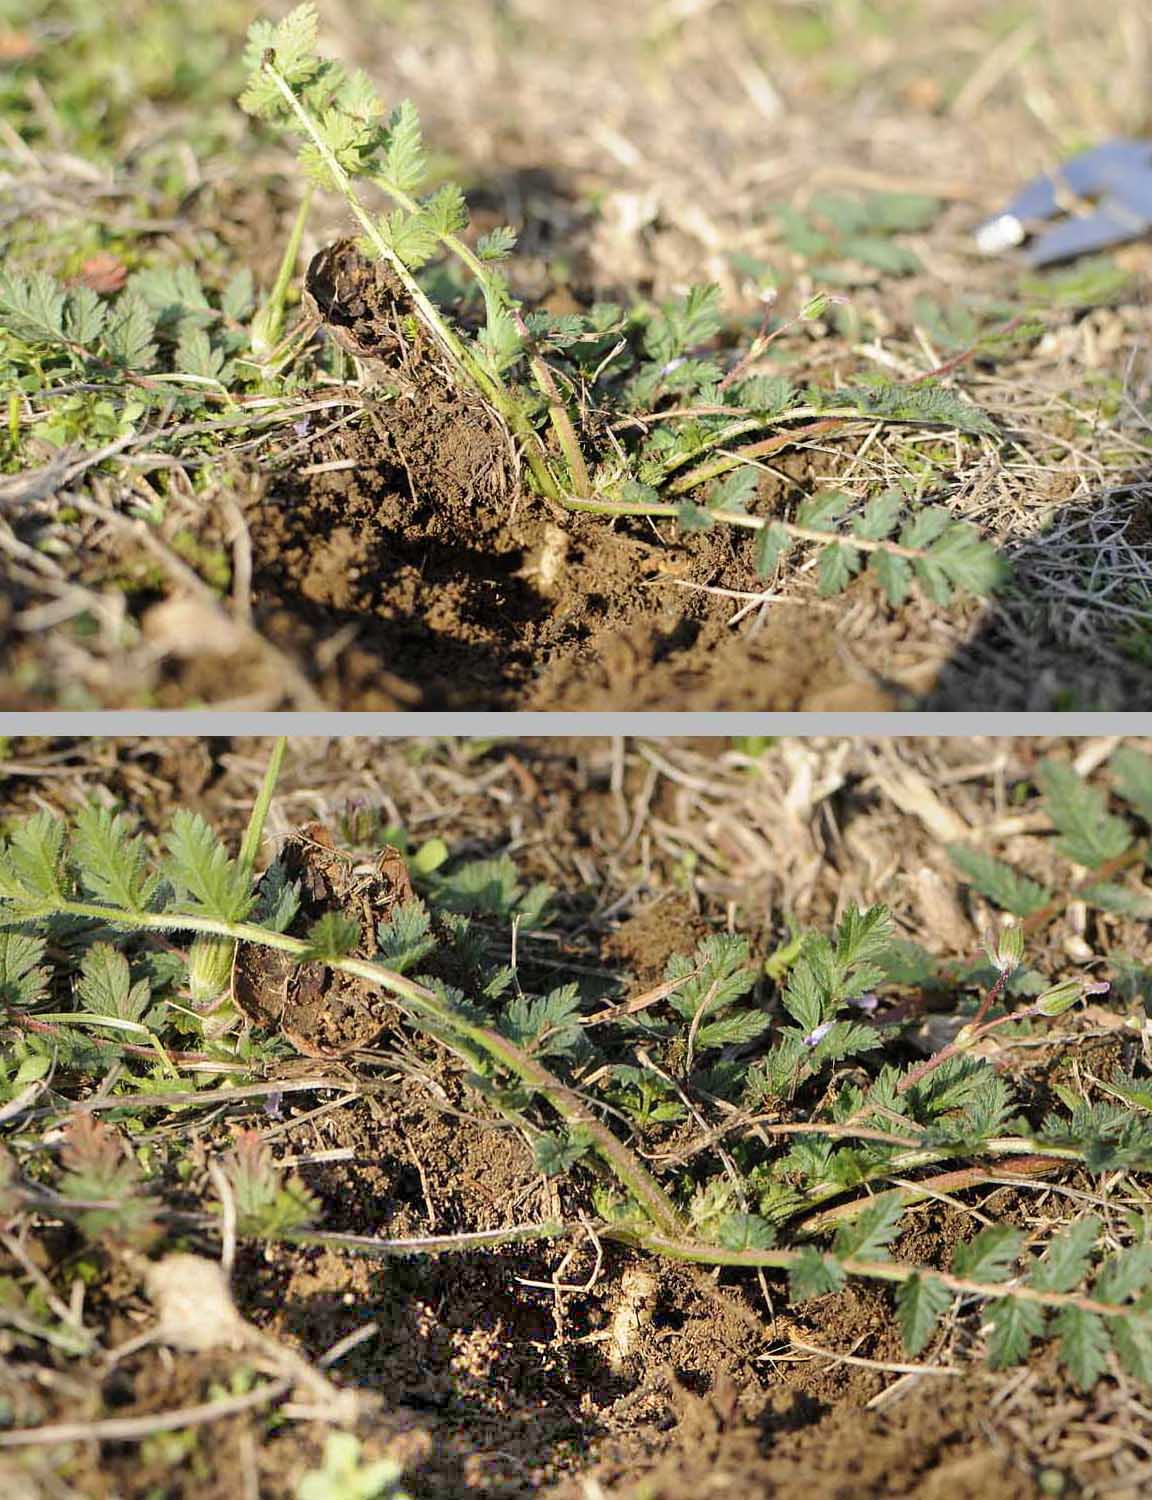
[[890, 1270], [268, 323], [466, 364], [749, 523], [434, 1016], [210, 958], [717, 466]]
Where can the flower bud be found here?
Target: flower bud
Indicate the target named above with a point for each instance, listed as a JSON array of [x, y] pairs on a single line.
[[1006, 948], [1063, 996], [210, 968]]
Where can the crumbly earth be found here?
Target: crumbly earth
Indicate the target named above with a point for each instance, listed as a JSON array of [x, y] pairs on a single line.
[[558, 1370]]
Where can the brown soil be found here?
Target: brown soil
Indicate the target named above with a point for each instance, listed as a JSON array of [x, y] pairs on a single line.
[[406, 541]]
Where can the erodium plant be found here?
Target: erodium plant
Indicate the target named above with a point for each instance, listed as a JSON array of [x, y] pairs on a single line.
[[801, 1136], [687, 430]]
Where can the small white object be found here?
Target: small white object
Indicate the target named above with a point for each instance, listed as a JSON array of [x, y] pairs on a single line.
[[1000, 234]]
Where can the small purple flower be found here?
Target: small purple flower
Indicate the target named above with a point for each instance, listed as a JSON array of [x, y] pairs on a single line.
[[814, 1038]]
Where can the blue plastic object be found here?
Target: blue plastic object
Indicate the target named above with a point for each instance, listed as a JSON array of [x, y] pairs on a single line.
[[1115, 178]]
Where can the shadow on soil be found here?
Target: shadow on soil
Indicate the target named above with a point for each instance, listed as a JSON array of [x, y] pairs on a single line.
[[1074, 630]]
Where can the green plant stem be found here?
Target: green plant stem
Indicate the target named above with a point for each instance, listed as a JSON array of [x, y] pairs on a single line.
[[558, 415], [567, 1103], [717, 466], [490, 386], [254, 832], [972, 1033], [557, 411], [956, 1181], [268, 323], [437, 1244], [460, 356], [890, 1270], [749, 523]]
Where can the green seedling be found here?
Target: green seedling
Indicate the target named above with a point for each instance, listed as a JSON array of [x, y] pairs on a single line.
[[657, 370]]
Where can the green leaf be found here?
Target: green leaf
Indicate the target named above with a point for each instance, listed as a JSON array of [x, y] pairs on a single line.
[[266, 1202], [925, 526], [429, 857], [819, 511], [766, 395], [446, 212], [356, 95], [738, 1231], [837, 566], [22, 983], [1014, 1325], [105, 986], [680, 326], [112, 863], [863, 936], [733, 1031], [1132, 1340], [554, 1155], [173, 294], [1091, 835], [482, 887], [1125, 1274], [32, 307], [129, 334], [410, 237], [772, 544], [333, 936], [498, 244], [85, 316], [293, 41], [405, 164], [550, 1025], [998, 881], [693, 517], [1132, 773], [34, 873], [880, 516], [1065, 1261], [967, 561], [882, 254], [239, 296], [715, 977], [278, 899], [991, 1256], [933, 580], [1084, 1344], [195, 355], [735, 489], [98, 1168], [1121, 899], [868, 1236], [923, 404], [219, 886], [813, 1275], [893, 573], [406, 938], [920, 1303]]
